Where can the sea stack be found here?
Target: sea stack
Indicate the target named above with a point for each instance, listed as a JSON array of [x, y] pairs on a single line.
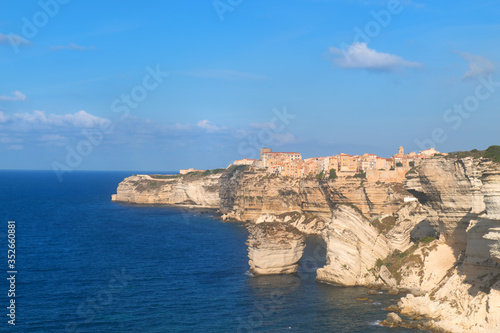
[[274, 248]]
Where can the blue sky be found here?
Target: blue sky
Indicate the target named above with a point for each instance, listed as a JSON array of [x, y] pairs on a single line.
[[163, 85]]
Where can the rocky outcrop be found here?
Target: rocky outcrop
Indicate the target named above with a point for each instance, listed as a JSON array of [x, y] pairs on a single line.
[[353, 247], [392, 320], [187, 190], [444, 247], [274, 248], [459, 273], [491, 192], [254, 193], [451, 191]]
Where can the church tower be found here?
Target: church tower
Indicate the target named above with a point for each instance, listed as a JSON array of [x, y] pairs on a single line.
[[401, 150]]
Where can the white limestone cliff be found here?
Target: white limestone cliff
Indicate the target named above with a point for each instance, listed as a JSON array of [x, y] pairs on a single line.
[[274, 248], [460, 275], [170, 190], [353, 247]]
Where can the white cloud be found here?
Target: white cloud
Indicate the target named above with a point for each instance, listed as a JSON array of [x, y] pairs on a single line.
[[3, 117], [358, 55], [478, 66], [13, 39], [78, 119], [72, 46], [182, 127], [52, 137], [39, 119], [281, 139], [263, 125], [7, 139], [16, 96], [206, 125], [16, 147]]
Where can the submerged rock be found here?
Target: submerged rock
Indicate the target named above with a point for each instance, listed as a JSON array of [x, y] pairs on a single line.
[[392, 320], [392, 308], [393, 291], [361, 298]]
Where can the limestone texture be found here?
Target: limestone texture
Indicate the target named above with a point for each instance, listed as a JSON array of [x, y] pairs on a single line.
[[274, 248]]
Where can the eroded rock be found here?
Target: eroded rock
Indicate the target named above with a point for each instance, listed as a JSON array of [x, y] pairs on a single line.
[[274, 248]]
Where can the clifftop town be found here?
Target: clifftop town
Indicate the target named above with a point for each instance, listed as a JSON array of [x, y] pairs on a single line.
[[291, 164]]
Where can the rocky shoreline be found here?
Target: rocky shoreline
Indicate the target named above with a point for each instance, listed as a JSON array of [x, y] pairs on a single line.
[[442, 246]]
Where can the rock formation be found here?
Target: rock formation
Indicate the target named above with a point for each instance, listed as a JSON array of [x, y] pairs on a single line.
[[444, 247], [188, 190], [274, 248], [459, 272], [353, 247]]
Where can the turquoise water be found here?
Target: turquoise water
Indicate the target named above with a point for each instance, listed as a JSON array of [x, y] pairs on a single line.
[[86, 264]]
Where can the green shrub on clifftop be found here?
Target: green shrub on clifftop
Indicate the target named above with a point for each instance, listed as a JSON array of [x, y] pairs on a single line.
[[233, 169], [493, 152], [360, 174]]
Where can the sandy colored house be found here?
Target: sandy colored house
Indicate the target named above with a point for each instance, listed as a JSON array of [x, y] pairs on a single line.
[[347, 163], [367, 162], [293, 169]]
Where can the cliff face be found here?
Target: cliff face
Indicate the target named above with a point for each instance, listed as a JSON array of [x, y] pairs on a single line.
[[252, 195], [274, 248], [170, 190], [491, 191], [443, 245], [353, 247], [348, 213], [451, 191], [459, 272]]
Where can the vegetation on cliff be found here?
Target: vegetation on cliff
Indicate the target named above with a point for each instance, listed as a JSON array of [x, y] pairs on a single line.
[[493, 153], [194, 174]]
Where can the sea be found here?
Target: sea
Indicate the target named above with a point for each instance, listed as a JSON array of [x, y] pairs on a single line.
[[86, 264]]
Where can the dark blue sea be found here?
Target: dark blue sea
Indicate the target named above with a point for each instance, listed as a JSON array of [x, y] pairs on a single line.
[[86, 264]]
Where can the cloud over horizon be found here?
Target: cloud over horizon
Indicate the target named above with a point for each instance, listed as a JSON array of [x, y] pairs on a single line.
[[359, 56], [15, 97], [42, 129], [13, 39], [479, 66], [208, 126], [36, 118]]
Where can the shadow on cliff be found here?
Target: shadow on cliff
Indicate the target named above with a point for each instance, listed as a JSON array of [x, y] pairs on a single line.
[[424, 229], [458, 238], [473, 256], [314, 257], [487, 270]]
